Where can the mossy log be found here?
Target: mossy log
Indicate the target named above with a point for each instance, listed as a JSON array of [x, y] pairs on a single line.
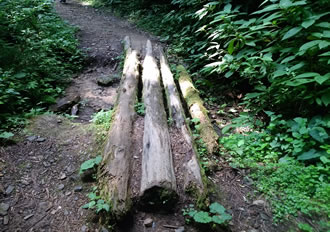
[[197, 110], [114, 170], [158, 183], [192, 176]]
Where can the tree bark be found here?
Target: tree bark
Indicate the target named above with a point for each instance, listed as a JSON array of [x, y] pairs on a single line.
[[192, 175], [114, 170], [197, 110], [158, 183]]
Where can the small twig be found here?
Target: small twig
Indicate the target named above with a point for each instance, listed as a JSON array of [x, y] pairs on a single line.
[[36, 222], [170, 227]]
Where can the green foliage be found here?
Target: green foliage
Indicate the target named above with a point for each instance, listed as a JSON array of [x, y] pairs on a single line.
[[216, 215], [103, 118], [140, 108], [274, 153], [38, 52], [89, 164], [96, 202]]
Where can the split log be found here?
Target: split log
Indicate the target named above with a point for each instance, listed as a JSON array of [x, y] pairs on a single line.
[[158, 183], [197, 110], [114, 170], [192, 175]]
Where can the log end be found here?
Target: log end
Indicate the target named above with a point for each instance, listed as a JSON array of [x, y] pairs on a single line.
[[158, 198]]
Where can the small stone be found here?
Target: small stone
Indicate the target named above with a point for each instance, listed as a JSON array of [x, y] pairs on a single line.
[[66, 213], [28, 217], [29, 166], [180, 229], [107, 80], [59, 121], [62, 176], [78, 188], [259, 203], [60, 187], [46, 164], [9, 189], [84, 228], [148, 222], [75, 109], [252, 230], [75, 198], [67, 193], [5, 220], [32, 138], [3, 209], [135, 157], [40, 139]]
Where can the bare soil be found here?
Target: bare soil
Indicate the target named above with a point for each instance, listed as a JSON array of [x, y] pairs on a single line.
[[42, 167]]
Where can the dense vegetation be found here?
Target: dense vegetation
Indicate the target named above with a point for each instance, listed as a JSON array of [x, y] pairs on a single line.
[[276, 54], [38, 52]]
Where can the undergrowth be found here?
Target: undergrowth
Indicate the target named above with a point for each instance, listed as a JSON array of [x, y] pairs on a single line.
[[38, 53]]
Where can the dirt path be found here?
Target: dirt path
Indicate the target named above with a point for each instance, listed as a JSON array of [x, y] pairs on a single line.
[[100, 36]]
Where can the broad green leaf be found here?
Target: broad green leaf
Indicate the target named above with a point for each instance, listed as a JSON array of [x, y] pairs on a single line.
[[326, 98], [217, 208], [279, 73], [319, 134], [321, 79], [218, 219], [324, 44], [229, 74], [323, 24], [231, 46], [309, 45], [288, 59], [325, 54], [202, 217], [308, 23], [285, 4], [6, 135], [227, 8], [311, 154], [298, 82], [309, 74], [267, 9]]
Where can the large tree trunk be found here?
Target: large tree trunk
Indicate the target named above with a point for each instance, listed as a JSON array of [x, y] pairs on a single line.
[[158, 183], [197, 110], [192, 173], [114, 170]]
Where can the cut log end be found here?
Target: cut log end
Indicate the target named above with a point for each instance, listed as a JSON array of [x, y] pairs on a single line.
[[158, 198]]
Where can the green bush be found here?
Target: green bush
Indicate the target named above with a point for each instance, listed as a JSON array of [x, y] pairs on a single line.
[[38, 52]]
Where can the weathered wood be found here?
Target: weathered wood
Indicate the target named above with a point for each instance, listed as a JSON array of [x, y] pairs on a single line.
[[197, 110], [114, 170], [192, 175], [158, 183]]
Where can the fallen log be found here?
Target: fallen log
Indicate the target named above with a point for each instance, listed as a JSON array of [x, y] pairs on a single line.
[[192, 172], [197, 110], [158, 183], [114, 170]]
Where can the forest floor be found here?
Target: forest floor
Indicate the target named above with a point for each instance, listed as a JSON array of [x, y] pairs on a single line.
[[40, 187]]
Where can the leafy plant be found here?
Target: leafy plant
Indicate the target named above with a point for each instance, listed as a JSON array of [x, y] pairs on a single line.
[[96, 202], [103, 118], [140, 108], [89, 164], [216, 215]]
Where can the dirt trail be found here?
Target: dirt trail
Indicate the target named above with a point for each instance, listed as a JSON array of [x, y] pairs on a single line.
[[100, 36]]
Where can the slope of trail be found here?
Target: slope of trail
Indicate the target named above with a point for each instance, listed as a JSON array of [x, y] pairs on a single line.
[[100, 36]]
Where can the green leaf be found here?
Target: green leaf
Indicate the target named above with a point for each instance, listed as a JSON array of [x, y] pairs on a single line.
[[326, 98], [309, 45], [292, 32], [309, 74], [311, 154], [6, 135], [321, 79], [325, 54], [231, 46], [227, 8], [324, 25], [308, 23], [288, 59], [267, 9], [217, 208], [324, 44], [319, 134], [202, 217]]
